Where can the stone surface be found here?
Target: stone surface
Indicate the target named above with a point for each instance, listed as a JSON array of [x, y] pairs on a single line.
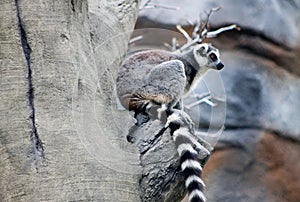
[[256, 16], [264, 171]]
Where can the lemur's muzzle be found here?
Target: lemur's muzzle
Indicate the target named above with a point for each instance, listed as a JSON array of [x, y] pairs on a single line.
[[220, 66]]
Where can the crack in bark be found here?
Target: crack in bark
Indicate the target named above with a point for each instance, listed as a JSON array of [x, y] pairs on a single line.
[[72, 6], [36, 143], [154, 140]]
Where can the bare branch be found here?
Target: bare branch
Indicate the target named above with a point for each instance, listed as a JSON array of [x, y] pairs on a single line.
[[200, 31], [148, 4], [174, 45], [184, 33], [188, 45], [198, 96], [196, 29], [204, 28], [215, 33], [131, 41], [168, 46], [163, 6], [207, 98]]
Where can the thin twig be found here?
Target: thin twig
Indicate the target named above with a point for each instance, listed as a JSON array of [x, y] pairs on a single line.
[[188, 45], [184, 33], [174, 44], [204, 28], [197, 95], [198, 39], [162, 6], [205, 99], [135, 39], [170, 47], [196, 29]]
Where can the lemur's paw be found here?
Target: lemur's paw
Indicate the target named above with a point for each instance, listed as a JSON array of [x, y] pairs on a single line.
[[161, 110]]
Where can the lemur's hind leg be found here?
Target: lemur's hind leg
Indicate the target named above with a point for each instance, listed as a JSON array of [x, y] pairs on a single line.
[[166, 84], [142, 114], [141, 117]]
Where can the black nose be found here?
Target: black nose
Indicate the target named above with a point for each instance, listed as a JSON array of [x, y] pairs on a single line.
[[220, 66]]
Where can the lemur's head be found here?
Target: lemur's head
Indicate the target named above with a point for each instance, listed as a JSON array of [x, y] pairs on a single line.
[[207, 55]]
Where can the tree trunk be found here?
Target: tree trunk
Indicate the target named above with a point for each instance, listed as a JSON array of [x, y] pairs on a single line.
[[60, 132]]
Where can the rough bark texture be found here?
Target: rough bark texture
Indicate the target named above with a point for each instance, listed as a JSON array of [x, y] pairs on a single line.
[[256, 158], [60, 132]]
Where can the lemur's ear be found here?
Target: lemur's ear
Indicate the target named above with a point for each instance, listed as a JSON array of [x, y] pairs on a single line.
[[202, 50]]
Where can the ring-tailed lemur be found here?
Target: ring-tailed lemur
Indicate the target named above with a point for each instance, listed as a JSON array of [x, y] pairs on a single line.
[[159, 78]]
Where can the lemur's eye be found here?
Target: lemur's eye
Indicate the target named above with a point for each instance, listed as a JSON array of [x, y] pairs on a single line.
[[213, 57]]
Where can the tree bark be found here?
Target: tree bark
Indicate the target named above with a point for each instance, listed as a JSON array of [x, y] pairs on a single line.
[[60, 132]]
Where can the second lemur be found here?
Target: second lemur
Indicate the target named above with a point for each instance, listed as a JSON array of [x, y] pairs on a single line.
[[160, 78]]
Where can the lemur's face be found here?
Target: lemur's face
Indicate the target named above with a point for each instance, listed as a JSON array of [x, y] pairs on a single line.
[[207, 55]]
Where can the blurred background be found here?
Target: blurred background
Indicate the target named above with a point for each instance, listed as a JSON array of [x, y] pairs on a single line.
[[257, 157]]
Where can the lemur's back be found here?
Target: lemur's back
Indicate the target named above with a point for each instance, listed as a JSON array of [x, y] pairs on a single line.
[[147, 75], [135, 67]]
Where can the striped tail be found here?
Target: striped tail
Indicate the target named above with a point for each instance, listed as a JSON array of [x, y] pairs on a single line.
[[190, 166]]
